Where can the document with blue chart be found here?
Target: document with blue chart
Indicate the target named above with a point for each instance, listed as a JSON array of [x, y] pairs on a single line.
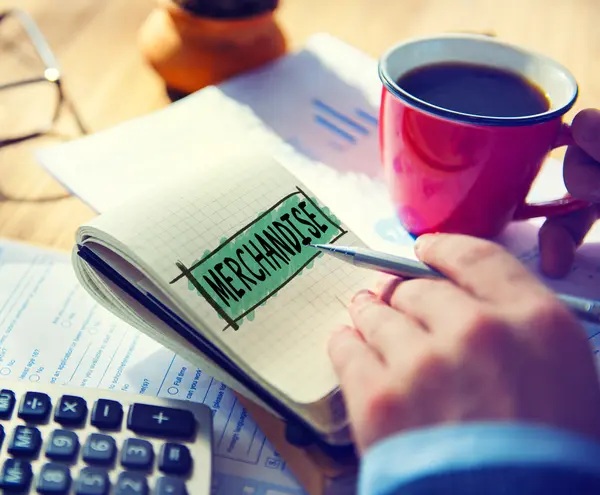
[[52, 331], [316, 110]]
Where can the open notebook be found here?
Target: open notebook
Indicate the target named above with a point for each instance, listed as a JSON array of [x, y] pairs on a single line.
[[218, 267]]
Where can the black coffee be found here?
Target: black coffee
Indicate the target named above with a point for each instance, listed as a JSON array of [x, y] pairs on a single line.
[[475, 89]]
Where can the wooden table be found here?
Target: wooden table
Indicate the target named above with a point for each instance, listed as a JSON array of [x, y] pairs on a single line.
[[105, 76]]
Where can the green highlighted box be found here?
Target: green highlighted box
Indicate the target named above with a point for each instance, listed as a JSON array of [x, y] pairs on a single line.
[[256, 262]]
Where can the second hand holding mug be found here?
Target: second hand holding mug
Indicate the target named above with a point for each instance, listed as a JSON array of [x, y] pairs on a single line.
[[453, 171]]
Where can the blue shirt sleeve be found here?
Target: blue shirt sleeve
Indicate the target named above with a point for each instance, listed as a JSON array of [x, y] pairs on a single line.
[[482, 458]]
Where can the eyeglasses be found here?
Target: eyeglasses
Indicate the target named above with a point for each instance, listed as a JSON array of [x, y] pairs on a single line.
[[20, 125]]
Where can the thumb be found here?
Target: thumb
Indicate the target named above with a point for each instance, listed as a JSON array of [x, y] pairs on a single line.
[[586, 132], [582, 175], [582, 167]]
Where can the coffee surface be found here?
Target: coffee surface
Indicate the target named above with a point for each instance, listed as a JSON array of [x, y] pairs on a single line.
[[475, 89]]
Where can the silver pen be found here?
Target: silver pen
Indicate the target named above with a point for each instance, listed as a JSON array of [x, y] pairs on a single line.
[[585, 309]]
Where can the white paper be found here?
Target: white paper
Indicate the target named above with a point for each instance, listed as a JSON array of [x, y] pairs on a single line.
[[315, 110], [52, 331]]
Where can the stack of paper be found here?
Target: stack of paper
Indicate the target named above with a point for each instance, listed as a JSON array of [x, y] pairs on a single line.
[[315, 110]]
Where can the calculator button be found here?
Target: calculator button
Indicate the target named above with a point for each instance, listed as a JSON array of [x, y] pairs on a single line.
[[26, 442], [168, 485], [92, 481], [175, 459], [131, 484], [71, 410], [35, 407], [161, 421], [62, 446], [137, 454], [2, 435], [7, 403], [107, 414], [15, 476], [54, 479], [99, 449]]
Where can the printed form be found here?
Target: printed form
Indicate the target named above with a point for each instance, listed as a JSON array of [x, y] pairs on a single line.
[[52, 331]]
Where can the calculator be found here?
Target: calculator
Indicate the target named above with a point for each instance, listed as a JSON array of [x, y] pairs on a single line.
[[67, 440]]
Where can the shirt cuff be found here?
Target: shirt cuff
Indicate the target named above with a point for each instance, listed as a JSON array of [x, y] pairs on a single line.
[[412, 456]]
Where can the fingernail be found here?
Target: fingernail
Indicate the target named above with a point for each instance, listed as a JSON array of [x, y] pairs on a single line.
[[363, 295], [422, 242]]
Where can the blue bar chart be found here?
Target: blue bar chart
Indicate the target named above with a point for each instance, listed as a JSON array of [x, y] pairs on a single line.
[[344, 127]]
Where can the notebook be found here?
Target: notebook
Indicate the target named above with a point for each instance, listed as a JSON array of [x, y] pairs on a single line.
[[218, 266]]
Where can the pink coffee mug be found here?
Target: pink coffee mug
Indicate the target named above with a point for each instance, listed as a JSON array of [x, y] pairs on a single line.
[[455, 172]]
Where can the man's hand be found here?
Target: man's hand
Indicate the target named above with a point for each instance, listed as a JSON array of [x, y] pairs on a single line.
[[490, 343], [560, 236]]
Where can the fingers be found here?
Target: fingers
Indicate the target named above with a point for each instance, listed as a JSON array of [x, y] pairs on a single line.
[[557, 249], [582, 175], [481, 267], [356, 365], [436, 304], [349, 353], [386, 287], [582, 170], [559, 238], [586, 132], [388, 331]]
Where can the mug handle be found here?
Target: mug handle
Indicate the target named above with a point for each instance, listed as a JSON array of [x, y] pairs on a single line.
[[562, 206]]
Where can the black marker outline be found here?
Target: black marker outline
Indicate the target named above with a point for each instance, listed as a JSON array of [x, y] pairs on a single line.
[[186, 272], [344, 232], [233, 236], [321, 211]]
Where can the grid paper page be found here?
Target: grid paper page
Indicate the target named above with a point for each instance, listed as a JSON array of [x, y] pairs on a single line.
[[284, 340]]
